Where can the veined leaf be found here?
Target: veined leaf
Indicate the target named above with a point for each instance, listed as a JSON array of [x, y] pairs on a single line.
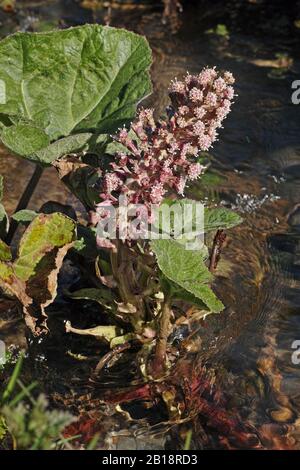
[[220, 218], [45, 233], [179, 293], [186, 268], [84, 79], [32, 277]]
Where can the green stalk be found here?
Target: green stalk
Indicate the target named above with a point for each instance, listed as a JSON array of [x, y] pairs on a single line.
[[188, 440], [13, 380]]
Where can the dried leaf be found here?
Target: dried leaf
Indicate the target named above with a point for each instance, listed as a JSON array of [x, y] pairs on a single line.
[[80, 178]]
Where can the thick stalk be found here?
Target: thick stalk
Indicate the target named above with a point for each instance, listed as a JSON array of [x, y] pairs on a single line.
[[159, 362], [24, 200], [116, 261]]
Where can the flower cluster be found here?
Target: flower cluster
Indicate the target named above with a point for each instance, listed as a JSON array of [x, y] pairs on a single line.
[[162, 156]]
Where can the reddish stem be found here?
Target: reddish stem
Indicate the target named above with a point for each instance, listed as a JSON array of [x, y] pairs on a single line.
[[218, 243]]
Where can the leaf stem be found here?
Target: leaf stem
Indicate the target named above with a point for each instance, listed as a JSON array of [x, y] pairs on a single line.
[[219, 240], [159, 362], [24, 200], [108, 356]]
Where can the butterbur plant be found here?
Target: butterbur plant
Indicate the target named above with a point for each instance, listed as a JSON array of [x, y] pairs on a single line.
[[77, 111]]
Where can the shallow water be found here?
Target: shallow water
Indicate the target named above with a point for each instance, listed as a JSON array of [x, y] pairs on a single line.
[[257, 161]]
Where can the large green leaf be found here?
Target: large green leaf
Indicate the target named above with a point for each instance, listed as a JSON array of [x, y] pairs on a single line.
[[32, 276], [24, 139], [179, 293], [83, 79], [187, 269]]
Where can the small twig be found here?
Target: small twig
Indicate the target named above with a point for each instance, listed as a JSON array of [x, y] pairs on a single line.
[[293, 211], [218, 243], [24, 200]]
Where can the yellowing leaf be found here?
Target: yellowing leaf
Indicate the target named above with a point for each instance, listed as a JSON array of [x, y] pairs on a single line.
[[32, 277]]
